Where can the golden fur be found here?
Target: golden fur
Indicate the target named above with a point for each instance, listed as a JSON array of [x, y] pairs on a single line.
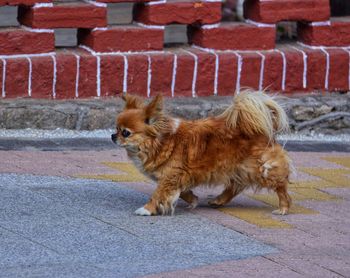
[[237, 149]]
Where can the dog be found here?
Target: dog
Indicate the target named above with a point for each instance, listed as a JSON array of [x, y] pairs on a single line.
[[237, 149]]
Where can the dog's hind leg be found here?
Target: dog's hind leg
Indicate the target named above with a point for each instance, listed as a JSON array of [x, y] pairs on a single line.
[[189, 197], [226, 196], [284, 200]]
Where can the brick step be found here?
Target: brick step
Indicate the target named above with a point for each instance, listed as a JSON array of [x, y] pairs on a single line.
[[335, 32], [178, 11], [233, 36], [122, 38], [15, 41], [273, 11], [175, 72], [63, 15]]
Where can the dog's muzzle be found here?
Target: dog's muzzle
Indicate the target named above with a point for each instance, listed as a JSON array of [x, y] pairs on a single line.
[[114, 138]]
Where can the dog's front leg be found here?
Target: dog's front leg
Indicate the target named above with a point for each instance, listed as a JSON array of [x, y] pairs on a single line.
[[163, 200]]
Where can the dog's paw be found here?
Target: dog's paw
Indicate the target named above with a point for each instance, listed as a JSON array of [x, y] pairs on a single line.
[[143, 212], [193, 205], [280, 212], [214, 203]]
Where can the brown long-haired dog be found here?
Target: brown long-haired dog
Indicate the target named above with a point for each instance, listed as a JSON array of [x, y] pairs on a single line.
[[236, 149]]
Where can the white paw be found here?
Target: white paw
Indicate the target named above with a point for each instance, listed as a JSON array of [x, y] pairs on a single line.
[[280, 212], [142, 211], [193, 205]]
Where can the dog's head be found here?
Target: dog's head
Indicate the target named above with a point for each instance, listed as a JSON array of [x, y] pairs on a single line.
[[139, 122]]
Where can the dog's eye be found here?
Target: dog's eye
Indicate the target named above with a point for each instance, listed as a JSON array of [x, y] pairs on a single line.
[[125, 133]]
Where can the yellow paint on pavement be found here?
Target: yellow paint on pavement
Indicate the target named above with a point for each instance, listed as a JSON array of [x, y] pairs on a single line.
[[129, 173]]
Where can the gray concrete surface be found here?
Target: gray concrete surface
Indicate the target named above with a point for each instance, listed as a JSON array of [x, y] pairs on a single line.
[[64, 227]]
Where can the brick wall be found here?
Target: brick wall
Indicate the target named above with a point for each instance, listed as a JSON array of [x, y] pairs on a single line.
[[221, 57]]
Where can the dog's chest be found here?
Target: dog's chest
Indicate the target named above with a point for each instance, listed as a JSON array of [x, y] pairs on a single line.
[[139, 165]]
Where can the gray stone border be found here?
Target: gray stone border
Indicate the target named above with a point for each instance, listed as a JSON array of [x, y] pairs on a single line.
[[312, 113]]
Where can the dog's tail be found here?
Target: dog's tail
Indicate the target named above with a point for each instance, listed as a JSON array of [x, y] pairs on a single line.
[[256, 113]]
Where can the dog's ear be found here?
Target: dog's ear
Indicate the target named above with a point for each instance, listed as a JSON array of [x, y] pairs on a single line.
[[132, 102], [154, 109]]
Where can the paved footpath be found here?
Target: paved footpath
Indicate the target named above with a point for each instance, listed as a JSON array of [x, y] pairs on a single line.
[[70, 214]]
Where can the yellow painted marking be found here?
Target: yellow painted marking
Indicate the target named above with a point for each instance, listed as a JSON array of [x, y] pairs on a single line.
[[343, 161], [131, 174], [258, 216], [261, 216], [272, 200], [314, 194], [334, 177]]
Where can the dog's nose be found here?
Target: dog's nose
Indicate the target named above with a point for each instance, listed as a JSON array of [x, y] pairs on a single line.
[[114, 137]]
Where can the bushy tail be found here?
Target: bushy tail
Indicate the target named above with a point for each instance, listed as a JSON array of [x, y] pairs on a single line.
[[255, 113]]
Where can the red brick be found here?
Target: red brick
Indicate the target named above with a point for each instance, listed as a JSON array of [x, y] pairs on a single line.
[[184, 74], [16, 83], [273, 71], [19, 41], [64, 15], [112, 75], [316, 69], [137, 74], [339, 70], [66, 75], [234, 36], [295, 70], [122, 38], [335, 34], [250, 74], [87, 76], [22, 2], [162, 73], [178, 12], [227, 76], [291, 10], [43, 77], [205, 74]]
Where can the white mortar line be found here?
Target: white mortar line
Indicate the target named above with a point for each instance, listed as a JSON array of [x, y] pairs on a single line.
[[97, 4], [210, 26], [305, 66], [239, 71], [149, 26], [154, 3], [173, 81], [259, 24], [42, 5], [321, 23], [326, 82], [77, 76], [54, 76], [262, 69], [347, 50], [36, 30], [195, 72], [27, 55], [30, 77], [3, 77], [284, 73], [98, 75], [149, 75], [125, 77]]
